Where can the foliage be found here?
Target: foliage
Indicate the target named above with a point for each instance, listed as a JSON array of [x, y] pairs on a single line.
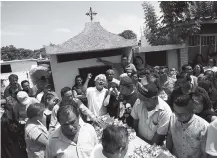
[[180, 20], [128, 34], [12, 53]]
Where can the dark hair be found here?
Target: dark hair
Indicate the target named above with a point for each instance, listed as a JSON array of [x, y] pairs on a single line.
[[139, 57], [24, 81], [184, 67], [195, 59], [201, 69], [64, 90], [10, 90], [214, 61], [35, 110], [109, 71], [13, 76], [182, 100], [114, 138], [124, 56], [207, 71], [76, 77], [207, 104], [67, 110], [183, 76]]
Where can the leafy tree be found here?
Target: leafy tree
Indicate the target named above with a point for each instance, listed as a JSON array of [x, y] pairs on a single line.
[[180, 20], [128, 34]]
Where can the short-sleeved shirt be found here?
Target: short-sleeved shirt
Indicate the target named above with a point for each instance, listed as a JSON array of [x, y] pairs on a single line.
[[59, 146], [95, 100], [97, 152], [33, 131], [188, 138], [211, 142], [153, 121]]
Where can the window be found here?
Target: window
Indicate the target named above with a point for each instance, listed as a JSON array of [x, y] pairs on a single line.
[[207, 40], [6, 68], [194, 40]]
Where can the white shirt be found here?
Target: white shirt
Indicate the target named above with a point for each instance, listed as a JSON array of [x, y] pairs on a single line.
[[97, 152], [95, 101], [211, 142], [61, 147], [39, 96], [153, 121]]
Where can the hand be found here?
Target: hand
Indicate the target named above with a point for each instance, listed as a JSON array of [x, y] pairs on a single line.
[[89, 75], [98, 60]]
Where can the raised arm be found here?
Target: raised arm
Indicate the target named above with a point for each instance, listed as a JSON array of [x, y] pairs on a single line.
[[104, 62], [89, 75]]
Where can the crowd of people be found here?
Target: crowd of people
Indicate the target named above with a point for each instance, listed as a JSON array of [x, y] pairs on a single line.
[[167, 107]]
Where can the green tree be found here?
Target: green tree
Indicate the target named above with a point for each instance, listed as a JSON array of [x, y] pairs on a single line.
[[128, 34], [180, 20]]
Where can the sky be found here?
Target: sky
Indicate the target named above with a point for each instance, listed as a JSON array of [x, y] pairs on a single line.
[[32, 24]]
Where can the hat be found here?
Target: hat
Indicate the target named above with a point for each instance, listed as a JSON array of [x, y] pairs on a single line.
[[23, 97], [149, 90], [125, 79]]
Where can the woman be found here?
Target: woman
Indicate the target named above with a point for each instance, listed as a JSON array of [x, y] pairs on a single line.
[[199, 60], [198, 70], [203, 106], [78, 90], [114, 143], [211, 90], [36, 134]]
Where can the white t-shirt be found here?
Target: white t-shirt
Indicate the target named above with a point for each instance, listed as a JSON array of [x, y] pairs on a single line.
[[211, 142], [95, 101], [97, 152]]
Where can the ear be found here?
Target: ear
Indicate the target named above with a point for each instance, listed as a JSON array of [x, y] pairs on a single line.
[[194, 111]]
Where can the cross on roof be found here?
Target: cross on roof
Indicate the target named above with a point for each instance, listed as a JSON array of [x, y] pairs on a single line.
[[91, 14]]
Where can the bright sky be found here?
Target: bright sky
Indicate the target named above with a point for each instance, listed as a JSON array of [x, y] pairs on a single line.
[[31, 25]]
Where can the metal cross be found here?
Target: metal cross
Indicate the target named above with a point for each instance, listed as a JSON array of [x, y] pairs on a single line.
[[91, 14]]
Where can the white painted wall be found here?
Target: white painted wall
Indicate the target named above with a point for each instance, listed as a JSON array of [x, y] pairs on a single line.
[[64, 73], [21, 69], [172, 58]]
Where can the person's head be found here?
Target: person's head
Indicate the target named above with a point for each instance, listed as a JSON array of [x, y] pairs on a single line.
[[210, 75], [13, 79], [47, 88], [149, 95], [199, 59], [135, 77], [182, 109], [41, 83], [110, 75], [35, 111], [207, 85], [156, 69], [66, 93], [51, 100], [139, 60], [163, 73], [78, 80], [184, 81], [124, 60], [211, 62], [187, 69], [100, 81], [115, 141], [13, 91], [200, 102], [68, 117], [25, 85], [198, 69], [126, 85]]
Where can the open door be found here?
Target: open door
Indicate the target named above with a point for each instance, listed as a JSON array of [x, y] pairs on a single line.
[[96, 70]]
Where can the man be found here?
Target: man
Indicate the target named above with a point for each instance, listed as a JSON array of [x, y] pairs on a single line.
[[187, 132], [151, 115], [211, 142], [129, 97], [113, 85], [98, 97], [13, 79], [187, 69], [68, 99], [185, 86], [167, 83], [26, 88], [211, 76], [114, 143], [41, 84], [71, 139], [124, 67]]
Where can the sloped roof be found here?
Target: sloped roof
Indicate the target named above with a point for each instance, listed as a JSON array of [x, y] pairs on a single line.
[[94, 37]]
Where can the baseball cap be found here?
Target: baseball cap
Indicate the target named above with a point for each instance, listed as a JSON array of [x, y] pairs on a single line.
[[149, 90]]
